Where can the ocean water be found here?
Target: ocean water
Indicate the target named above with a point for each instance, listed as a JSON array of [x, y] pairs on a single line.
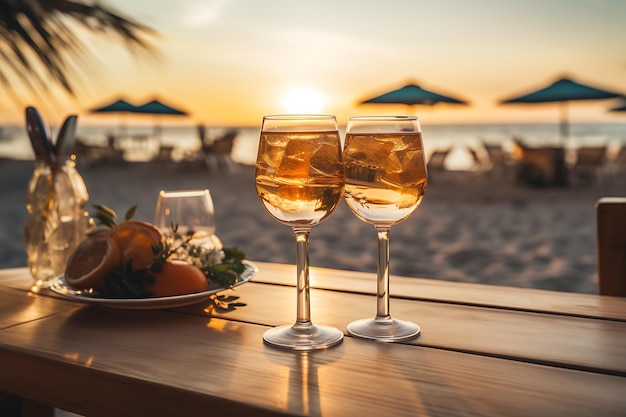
[[14, 142]]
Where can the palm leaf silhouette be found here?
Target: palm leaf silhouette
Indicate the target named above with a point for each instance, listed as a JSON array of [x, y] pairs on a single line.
[[39, 40]]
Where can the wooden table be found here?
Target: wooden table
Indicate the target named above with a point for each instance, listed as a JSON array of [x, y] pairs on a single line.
[[483, 351]]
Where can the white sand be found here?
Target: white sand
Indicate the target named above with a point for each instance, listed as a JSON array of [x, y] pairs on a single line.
[[470, 227]]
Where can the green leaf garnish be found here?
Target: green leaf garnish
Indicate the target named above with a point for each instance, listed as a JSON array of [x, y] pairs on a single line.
[[224, 303], [105, 216], [130, 213]]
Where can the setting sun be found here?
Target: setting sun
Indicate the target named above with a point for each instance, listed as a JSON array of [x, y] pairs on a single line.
[[303, 100]]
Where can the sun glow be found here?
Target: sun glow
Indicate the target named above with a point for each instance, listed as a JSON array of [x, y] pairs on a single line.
[[303, 100]]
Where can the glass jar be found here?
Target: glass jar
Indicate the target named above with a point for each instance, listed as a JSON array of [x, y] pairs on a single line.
[[57, 221]]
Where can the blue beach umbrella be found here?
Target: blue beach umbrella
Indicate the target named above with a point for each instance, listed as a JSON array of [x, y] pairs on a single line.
[[157, 107], [563, 91], [117, 106], [410, 95]]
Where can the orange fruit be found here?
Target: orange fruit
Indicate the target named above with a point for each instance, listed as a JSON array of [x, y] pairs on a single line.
[[92, 260], [176, 278], [136, 239]]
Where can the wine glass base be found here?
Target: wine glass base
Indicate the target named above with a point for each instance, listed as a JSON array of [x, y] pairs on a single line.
[[388, 330], [301, 337]]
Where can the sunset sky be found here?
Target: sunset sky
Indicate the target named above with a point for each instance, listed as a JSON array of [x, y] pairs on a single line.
[[229, 62]]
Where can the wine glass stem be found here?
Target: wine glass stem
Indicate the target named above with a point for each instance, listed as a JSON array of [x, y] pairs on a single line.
[[302, 263], [382, 299]]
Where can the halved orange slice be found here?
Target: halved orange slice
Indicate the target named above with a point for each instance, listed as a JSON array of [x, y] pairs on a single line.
[[92, 260]]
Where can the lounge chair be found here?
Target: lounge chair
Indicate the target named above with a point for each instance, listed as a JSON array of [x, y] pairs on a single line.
[[618, 161], [217, 154], [437, 160], [499, 159], [591, 164], [541, 166], [479, 163], [165, 153], [89, 154]]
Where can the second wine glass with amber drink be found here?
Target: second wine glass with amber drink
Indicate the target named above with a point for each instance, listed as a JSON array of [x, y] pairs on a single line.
[[385, 182], [300, 181]]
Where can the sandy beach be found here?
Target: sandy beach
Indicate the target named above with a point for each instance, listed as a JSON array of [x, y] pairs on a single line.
[[470, 227]]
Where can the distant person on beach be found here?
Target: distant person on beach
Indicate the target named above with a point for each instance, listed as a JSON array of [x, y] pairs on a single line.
[[111, 140], [202, 135]]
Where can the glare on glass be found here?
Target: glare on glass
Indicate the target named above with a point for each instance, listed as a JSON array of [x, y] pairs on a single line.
[[190, 213], [300, 181], [385, 182]]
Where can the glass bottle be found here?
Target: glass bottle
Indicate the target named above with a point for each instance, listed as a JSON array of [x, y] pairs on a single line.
[[56, 221]]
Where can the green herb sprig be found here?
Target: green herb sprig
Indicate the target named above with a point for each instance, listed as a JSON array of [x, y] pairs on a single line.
[[225, 303], [107, 217]]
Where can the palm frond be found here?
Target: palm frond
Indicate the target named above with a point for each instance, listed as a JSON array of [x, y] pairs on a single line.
[[37, 40]]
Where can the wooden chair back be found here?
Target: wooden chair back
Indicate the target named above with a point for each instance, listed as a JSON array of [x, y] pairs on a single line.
[[591, 164], [619, 160], [497, 155], [223, 145], [611, 245], [591, 156], [540, 166]]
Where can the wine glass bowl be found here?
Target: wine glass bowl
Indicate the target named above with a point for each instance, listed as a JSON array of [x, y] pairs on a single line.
[[386, 180], [300, 181], [187, 215]]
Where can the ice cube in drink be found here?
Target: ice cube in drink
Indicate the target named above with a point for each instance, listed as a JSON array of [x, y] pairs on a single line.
[[323, 162], [272, 149], [415, 167], [295, 162], [378, 150]]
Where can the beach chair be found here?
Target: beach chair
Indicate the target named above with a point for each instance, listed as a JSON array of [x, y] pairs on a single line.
[[478, 162], [499, 159], [89, 154], [437, 160], [591, 163], [618, 162], [165, 153], [611, 245], [217, 155], [489, 159], [541, 166]]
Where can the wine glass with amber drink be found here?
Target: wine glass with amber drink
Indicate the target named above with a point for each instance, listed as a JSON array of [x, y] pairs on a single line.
[[300, 181], [385, 182]]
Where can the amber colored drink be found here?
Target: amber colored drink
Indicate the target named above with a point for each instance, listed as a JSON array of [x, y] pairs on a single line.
[[385, 182], [385, 176], [299, 175], [300, 181]]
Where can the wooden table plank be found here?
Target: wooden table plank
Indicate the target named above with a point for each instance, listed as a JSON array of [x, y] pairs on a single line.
[[527, 299], [576, 342], [16, 278], [584, 305], [160, 363], [17, 307], [550, 339]]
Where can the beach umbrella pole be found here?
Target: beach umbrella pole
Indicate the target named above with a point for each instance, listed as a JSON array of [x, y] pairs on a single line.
[[564, 127]]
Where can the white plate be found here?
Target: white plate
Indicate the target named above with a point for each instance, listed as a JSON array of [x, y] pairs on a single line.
[[59, 286]]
